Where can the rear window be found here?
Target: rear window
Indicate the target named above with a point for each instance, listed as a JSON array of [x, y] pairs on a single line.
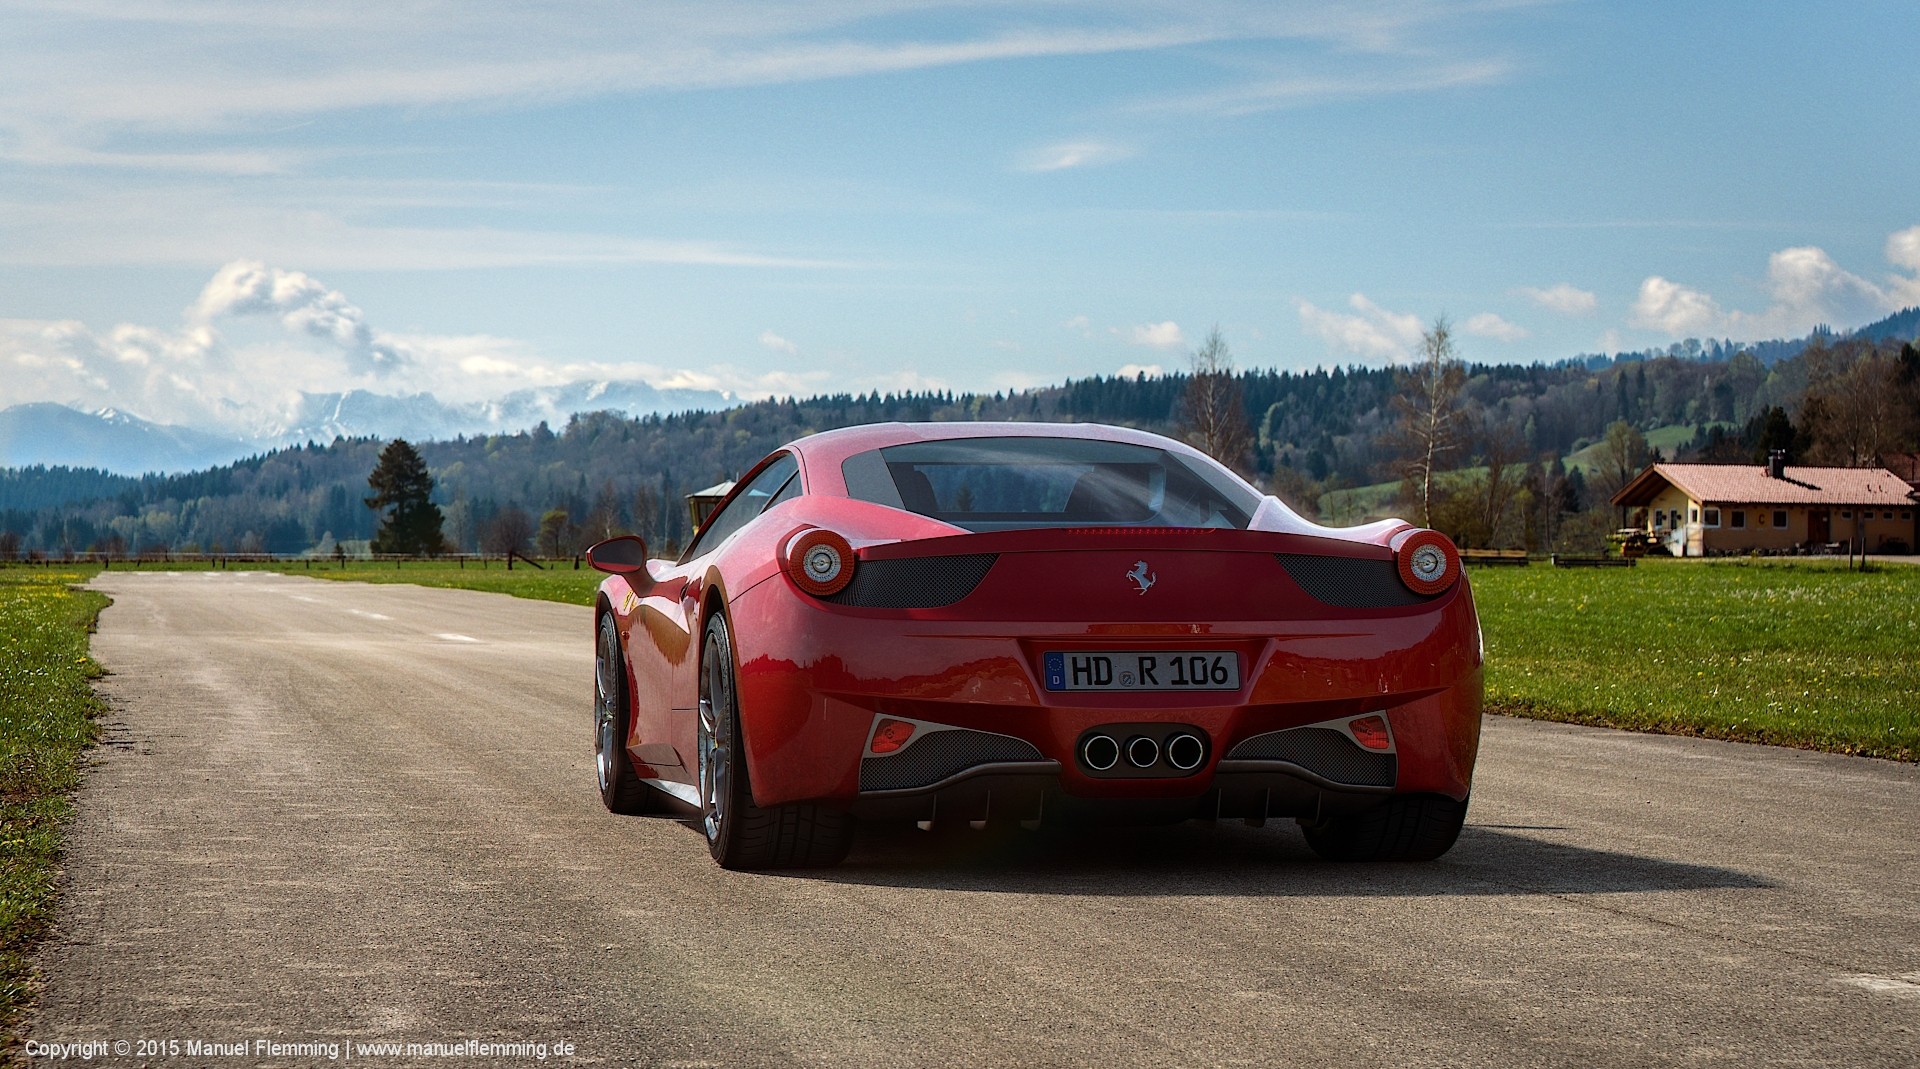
[[992, 484]]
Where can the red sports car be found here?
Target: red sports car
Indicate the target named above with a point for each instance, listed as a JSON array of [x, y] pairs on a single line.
[[1017, 621]]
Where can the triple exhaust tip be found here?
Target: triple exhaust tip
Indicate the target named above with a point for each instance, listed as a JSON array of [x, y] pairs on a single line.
[[1184, 752]]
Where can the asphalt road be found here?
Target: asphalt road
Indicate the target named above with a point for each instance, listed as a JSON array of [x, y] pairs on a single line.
[[334, 812]]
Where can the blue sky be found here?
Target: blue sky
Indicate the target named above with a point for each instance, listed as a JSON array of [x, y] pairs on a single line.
[[207, 207]]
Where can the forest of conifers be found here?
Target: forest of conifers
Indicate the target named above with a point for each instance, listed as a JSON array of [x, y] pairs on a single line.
[[1844, 401]]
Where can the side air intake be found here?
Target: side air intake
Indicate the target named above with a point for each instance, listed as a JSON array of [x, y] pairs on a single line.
[[914, 582], [1324, 752], [940, 754]]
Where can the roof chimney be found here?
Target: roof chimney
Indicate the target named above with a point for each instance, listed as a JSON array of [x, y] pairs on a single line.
[[1776, 463]]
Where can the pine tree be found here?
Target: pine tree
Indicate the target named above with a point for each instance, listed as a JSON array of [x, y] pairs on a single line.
[[400, 482]]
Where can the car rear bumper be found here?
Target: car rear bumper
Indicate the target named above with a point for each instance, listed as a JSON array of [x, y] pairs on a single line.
[[813, 682]]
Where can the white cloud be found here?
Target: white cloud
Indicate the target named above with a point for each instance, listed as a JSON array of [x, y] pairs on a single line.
[[1165, 335], [778, 344], [1488, 325], [1675, 309], [1129, 371], [1071, 154], [1563, 298], [218, 370], [1080, 325], [1805, 288], [1374, 332], [247, 287]]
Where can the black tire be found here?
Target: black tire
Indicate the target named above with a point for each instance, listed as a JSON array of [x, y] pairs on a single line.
[[1408, 827], [620, 787], [740, 834]]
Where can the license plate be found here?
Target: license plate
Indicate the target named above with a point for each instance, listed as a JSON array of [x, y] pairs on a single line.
[[1143, 670]]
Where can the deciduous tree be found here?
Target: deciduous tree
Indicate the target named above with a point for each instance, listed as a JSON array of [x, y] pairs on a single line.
[[1213, 411], [1428, 405]]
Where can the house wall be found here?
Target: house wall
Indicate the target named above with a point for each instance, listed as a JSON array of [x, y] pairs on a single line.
[[1880, 526], [1695, 538]]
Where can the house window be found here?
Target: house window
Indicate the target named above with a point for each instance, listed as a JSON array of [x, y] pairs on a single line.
[[1739, 517], [1713, 517], [1779, 517], [1694, 513], [1659, 518], [1886, 515], [1846, 514], [1906, 515]]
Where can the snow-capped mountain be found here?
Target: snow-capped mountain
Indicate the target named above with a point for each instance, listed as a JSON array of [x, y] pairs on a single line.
[[54, 434], [321, 417], [51, 434]]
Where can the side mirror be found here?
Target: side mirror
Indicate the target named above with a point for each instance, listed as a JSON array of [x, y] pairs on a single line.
[[620, 555]]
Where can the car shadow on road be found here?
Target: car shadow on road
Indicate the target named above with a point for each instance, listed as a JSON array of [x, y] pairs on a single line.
[[1236, 860]]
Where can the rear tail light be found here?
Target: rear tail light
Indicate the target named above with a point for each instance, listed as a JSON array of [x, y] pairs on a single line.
[[1371, 732], [820, 562], [889, 735], [1427, 560]]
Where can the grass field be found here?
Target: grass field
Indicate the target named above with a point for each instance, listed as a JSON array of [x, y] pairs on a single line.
[[558, 582], [1796, 653], [46, 720]]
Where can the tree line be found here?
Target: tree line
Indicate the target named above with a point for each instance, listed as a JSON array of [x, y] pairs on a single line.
[[1495, 455]]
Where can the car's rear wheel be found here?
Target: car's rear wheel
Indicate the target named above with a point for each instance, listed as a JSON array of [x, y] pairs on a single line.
[[1409, 827], [620, 787], [740, 834]]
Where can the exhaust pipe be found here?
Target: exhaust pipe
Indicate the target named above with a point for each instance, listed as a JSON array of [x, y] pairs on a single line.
[[1100, 752], [1185, 752], [1142, 752]]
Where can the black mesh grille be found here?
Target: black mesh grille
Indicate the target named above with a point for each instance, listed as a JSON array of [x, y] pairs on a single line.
[[1322, 751], [939, 755], [914, 582], [1350, 583]]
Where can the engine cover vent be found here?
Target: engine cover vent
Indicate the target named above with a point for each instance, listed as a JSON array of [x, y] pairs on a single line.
[[1349, 582], [914, 582]]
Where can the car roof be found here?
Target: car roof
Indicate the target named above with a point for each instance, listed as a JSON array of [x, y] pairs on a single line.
[[833, 447]]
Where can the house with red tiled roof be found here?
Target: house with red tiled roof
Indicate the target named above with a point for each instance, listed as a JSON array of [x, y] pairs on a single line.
[[1698, 510]]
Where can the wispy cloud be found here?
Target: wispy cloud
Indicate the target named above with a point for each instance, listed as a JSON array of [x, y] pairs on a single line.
[[1163, 335], [1071, 154], [1372, 332], [770, 340], [194, 224], [1562, 297], [1300, 90], [1489, 325]]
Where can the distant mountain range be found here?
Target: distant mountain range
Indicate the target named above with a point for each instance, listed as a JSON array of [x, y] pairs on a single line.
[[53, 435], [109, 440]]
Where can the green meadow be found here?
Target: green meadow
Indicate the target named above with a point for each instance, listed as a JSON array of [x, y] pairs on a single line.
[[1789, 652], [47, 710]]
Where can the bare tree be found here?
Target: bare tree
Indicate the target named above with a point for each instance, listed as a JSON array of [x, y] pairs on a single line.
[[556, 532], [1623, 452], [1214, 411], [1503, 450], [1854, 407], [1429, 410], [508, 532]]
